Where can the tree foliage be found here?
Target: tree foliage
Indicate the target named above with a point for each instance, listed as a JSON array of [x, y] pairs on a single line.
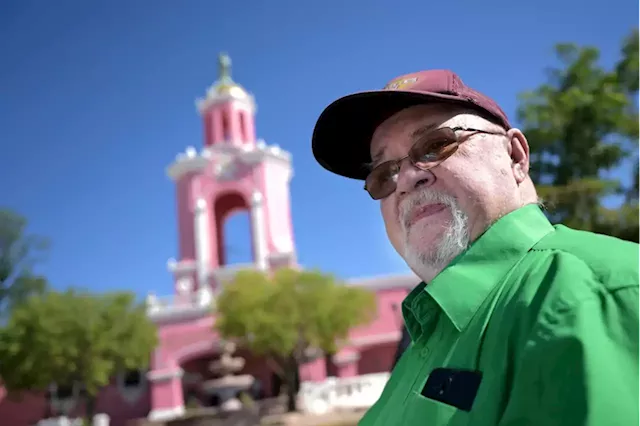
[[286, 315], [74, 338], [19, 252], [582, 125]]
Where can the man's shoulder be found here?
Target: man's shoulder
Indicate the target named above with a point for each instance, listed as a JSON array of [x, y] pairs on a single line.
[[571, 255], [568, 272]]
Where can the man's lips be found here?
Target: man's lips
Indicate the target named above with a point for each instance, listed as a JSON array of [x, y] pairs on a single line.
[[423, 211]]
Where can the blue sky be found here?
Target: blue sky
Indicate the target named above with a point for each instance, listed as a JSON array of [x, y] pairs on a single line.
[[97, 98]]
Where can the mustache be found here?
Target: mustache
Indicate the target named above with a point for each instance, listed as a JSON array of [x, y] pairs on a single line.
[[421, 198]]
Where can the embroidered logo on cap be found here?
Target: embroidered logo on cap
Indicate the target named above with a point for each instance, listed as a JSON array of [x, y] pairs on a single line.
[[400, 83]]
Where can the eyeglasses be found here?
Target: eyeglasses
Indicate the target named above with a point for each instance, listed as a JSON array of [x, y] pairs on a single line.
[[426, 153]]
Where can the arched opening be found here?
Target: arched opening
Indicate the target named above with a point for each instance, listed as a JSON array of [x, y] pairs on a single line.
[[132, 378], [195, 360], [131, 384], [196, 371], [243, 126], [226, 126], [197, 380], [233, 228]]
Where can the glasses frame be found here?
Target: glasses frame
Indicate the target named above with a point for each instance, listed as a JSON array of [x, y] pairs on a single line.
[[449, 150]]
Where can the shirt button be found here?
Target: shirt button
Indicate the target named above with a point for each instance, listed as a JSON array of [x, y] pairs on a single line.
[[424, 352]]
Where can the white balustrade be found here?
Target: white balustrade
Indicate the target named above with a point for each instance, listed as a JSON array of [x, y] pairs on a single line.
[[98, 420], [179, 305], [101, 419], [338, 394], [228, 272], [189, 303]]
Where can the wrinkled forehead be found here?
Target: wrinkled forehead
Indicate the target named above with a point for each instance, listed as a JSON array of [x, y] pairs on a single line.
[[403, 127]]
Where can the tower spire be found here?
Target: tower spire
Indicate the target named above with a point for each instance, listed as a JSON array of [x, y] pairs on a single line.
[[224, 67]]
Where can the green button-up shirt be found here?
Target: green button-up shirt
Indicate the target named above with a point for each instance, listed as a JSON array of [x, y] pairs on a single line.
[[545, 317]]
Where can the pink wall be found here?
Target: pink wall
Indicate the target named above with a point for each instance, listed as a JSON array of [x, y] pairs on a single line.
[[33, 408], [185, 202], [376, 359], [182, 342], [26, 411], [388, 319], [275, 185]]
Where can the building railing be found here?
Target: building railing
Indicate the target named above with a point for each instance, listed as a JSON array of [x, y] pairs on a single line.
[[169, 307], [195, 303], [98, 420], [339, 394]]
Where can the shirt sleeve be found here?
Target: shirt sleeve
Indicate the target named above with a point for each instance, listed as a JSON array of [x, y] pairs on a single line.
[[578, 365]]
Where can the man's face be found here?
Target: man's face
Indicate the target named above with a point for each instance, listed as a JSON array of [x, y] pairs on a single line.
[[433, 215]]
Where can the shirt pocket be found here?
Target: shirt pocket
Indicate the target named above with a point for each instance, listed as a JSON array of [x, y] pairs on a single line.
[[429, 412]]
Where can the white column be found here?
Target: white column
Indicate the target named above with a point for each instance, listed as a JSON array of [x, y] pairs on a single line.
[[258, 230], [202, 239]]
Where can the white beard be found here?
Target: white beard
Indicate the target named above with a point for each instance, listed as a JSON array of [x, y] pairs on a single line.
[[427, 262]]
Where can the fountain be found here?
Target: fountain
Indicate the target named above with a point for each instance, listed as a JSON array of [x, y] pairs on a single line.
[[228, 386]]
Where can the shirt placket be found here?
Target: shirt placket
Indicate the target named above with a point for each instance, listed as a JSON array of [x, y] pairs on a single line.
[[427, 313]]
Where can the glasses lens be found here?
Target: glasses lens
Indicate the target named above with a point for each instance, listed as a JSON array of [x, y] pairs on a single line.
[[381, 182], [433, 148]]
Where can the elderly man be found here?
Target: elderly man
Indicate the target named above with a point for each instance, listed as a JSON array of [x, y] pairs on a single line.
[[516, 322]]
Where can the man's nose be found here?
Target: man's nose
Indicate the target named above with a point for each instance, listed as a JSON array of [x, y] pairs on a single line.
[[411, 177]]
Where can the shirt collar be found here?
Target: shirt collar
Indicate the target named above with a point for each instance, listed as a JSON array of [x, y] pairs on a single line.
[[465, 283]]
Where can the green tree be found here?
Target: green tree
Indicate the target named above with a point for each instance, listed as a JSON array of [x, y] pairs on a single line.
[[74, 338], [289, 315], [581, 125], [19, 252]]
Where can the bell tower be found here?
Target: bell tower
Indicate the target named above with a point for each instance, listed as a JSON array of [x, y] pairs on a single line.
[[232, 171]]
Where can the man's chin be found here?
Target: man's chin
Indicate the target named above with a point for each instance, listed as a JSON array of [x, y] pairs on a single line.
[[423, 265], [424, 237], [427, 258]]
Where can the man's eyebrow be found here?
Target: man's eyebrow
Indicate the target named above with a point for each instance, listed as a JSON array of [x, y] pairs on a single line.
[[421, 131], [377, 155]]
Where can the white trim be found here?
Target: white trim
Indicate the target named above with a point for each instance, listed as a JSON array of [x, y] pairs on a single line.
[[181, 267], [239, 98], [227, 272], [407, 281], [195, 348], [187, 162], [376, 339], [164, 375], [282, 256], [178, 313], [164, 414], [203, 244], [249, 153], [258, 226], [184, 285], [345, 358]]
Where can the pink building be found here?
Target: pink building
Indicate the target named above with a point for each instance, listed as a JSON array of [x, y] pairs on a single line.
[[232, 172]]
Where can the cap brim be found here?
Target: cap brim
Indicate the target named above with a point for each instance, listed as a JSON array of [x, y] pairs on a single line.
[[343, 132]]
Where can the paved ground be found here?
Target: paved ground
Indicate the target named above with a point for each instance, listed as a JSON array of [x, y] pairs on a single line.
[[297, 419], [197, 417]]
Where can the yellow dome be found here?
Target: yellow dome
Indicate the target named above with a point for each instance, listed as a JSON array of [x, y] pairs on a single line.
[[233, 89]]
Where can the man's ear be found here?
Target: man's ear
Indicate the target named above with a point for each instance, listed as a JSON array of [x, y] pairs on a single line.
[[518, 148]]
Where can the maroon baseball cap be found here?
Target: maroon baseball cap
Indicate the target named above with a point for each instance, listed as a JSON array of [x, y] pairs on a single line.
[[342, 134]]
